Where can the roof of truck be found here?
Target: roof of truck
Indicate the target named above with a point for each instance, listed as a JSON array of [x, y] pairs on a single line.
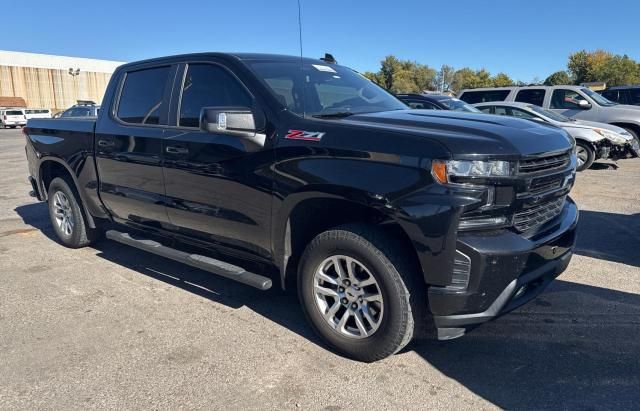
[[239, 56]]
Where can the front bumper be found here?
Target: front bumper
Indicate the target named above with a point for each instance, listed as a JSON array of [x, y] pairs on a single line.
[[507, 270]]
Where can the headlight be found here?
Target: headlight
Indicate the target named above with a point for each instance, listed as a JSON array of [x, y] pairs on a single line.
[[611, 136], [442, 170]]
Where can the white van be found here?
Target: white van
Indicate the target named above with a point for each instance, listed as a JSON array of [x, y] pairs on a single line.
[[37, 113], [12, 117]]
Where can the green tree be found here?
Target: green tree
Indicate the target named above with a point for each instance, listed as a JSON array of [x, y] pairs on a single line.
[[578, 66], [558, 78], [502, 80], [403, 76], [601, 65]]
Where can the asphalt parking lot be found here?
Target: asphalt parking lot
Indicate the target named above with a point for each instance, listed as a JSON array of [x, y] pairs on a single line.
[[114, 327]]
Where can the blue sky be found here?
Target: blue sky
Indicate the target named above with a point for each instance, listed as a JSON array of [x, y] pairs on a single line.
[[525, 39]]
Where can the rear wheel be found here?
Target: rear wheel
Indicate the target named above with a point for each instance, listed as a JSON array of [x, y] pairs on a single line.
[[586, 155], [67, 217], [359, 292]]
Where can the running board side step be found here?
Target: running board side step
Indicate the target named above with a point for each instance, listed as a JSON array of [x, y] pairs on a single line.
[[202, 262]]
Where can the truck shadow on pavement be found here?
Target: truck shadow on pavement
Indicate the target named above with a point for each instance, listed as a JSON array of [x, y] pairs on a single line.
[[609, 236], [576, 346]]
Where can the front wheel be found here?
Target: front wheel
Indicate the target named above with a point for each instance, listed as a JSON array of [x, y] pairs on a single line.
[[67, 218], [586, 156], [359, 292], [634, 134]]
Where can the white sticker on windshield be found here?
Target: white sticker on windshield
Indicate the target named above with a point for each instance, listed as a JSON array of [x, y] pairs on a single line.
[[324, 68]]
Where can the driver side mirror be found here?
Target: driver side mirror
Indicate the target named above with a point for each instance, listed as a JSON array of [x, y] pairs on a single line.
[[243, 122], [584, 104]]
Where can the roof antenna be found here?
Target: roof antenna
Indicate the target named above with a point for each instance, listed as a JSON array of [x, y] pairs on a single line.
[[304, 83]]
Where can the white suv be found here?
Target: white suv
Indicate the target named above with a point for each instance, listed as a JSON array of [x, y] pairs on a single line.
[[12, 117]]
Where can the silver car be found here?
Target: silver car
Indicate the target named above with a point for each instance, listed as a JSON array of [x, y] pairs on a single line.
[[571, 101], [593, 140]]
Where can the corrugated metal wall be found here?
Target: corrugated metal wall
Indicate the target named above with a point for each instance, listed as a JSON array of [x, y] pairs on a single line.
[[51, 88]]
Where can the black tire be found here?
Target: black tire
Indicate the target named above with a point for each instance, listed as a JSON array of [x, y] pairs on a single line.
[[12, 126], [80, 234], [634, 134], [590, 155], [402, 290]]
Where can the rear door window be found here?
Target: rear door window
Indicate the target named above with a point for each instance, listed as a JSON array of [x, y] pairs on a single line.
[[209, 85], [533, 96], [484, 96], [142, 97]]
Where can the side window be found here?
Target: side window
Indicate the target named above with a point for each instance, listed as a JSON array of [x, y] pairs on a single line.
[[531, 96], [611, 95], [422, 105], [516, 112], [141, 101], [634, 96], [484, 96], [485, 109], [501, 111], [209, 85], [565, 99]]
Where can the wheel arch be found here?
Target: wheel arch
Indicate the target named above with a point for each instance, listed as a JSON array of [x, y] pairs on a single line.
[[305, 215], [52, 167]]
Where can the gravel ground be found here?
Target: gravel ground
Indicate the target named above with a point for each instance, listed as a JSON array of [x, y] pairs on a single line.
[[113, 327]]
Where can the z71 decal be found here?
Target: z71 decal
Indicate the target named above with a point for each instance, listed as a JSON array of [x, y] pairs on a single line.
[[304, 135]]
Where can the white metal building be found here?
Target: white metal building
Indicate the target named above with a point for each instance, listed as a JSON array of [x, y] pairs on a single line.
[[44, 81]]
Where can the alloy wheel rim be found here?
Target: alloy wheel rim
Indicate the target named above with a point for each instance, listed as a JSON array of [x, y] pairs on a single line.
[[63, 213], [348, 296], [582, 155]]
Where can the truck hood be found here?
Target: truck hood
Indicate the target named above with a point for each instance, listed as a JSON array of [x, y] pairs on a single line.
[[624, 111], [470, 135]]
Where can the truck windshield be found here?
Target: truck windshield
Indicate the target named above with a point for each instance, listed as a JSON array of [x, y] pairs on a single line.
[[602, 101], [323, 89]]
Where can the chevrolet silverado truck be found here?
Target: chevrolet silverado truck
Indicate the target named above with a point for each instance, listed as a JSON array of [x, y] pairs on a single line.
[[388, 222]]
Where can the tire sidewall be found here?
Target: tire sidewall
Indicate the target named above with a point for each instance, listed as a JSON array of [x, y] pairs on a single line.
[[74, 239], [590, 158], [390, 288]]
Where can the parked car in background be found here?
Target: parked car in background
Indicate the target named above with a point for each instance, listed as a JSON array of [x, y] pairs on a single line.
[[594, 141], [570, 101], [384, 218], [12, 117], [623, 94], [82, 109], [436, 102], [37, 113]]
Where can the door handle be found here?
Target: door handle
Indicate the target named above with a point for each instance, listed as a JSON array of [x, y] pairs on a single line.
[[177, 150], [106, 143]]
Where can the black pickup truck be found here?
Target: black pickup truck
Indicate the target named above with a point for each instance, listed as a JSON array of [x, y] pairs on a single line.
[[264, 167]]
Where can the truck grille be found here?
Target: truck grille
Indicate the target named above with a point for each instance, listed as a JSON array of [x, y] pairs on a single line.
[[537, 215], [545, 184], [549, 163]]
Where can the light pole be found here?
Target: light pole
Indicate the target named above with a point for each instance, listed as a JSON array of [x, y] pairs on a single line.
[[75, 73]]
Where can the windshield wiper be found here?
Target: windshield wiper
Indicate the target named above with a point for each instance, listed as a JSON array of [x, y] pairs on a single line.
[[339, 114]]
